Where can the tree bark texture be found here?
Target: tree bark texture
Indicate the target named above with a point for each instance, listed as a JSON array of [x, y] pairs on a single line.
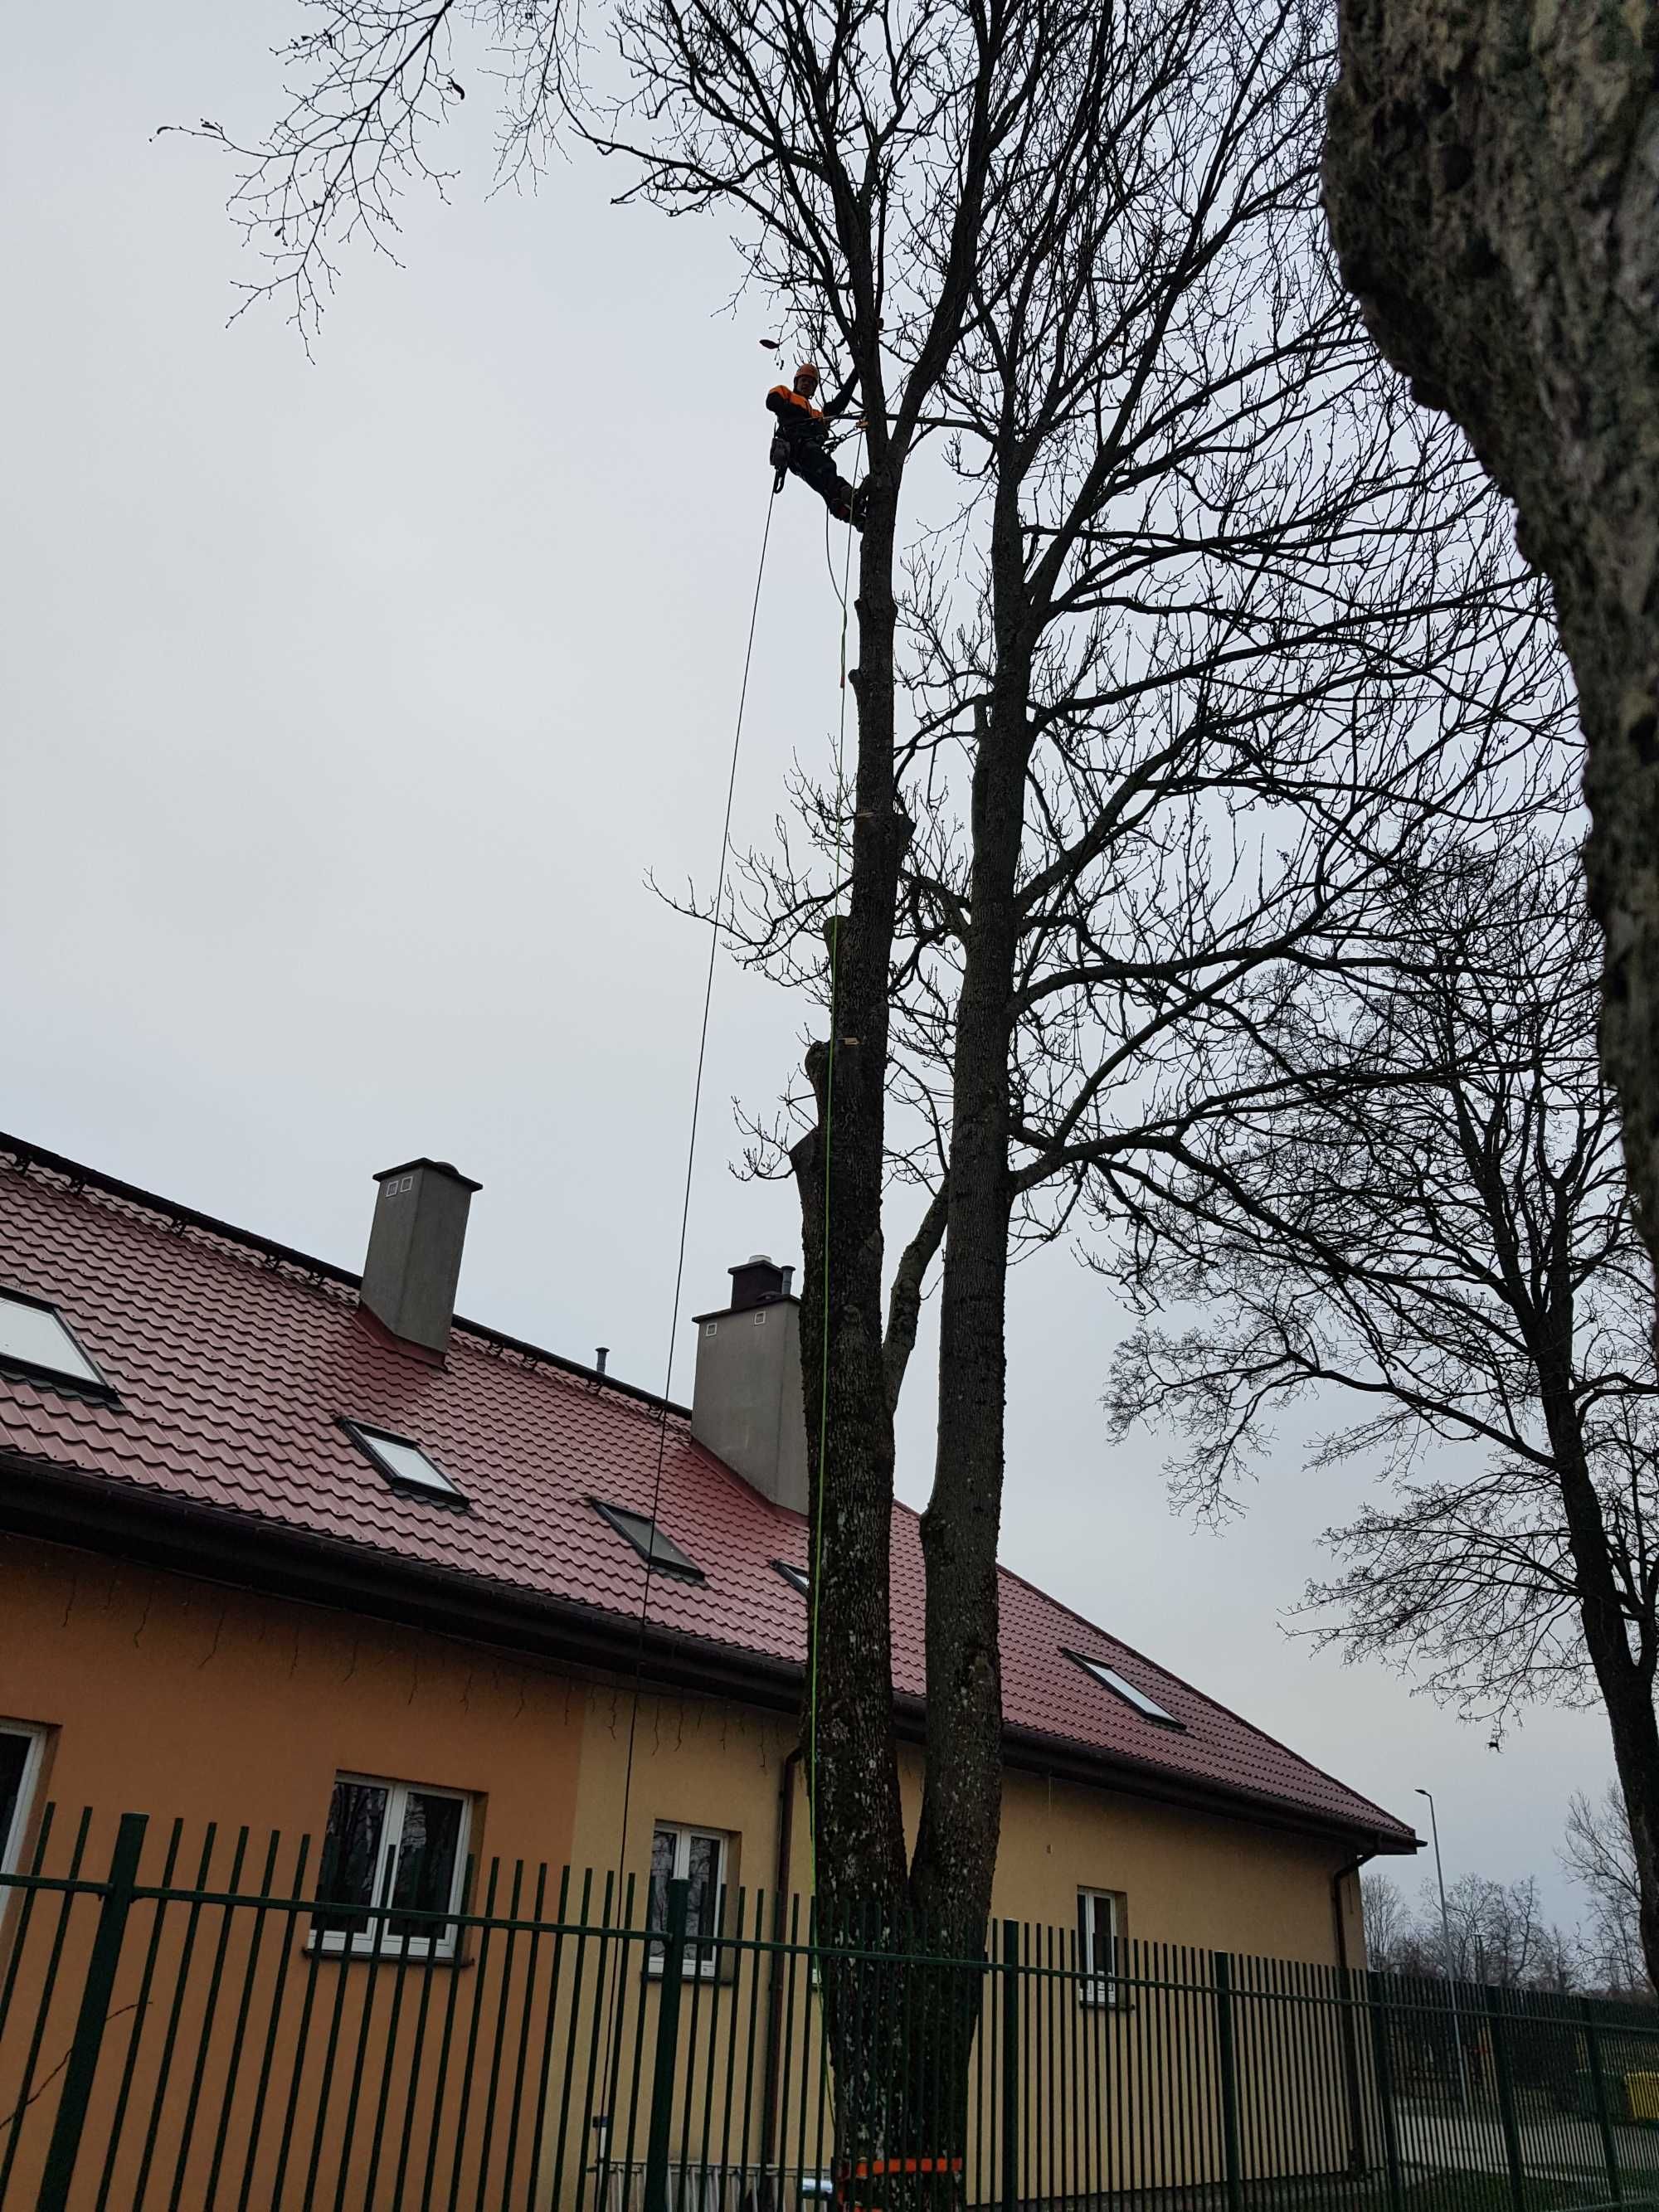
[[1625, 1677], [858, 1827], [1492, 178], [956, 1852]]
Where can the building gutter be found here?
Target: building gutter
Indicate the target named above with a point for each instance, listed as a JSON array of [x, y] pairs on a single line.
[[1357, 2163], [231, 1547], [772, 2070]]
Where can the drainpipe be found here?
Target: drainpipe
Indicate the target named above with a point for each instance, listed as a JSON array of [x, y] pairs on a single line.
[[770, 2082], [1350, 2039]]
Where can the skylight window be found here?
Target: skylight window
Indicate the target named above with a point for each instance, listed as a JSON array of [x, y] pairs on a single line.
[[797, 1577], [1110, 1678], [648, 1541], [404, 1465], [34, 1338]]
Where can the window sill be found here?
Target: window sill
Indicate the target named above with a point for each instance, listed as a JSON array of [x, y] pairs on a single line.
[[342, 1955]]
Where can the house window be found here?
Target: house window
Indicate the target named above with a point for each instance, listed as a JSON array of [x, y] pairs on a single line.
[[394, 1858], [403, 1464], [1096, 1946], [697, 1858], [797, 1577], [21, 1745], [36, 1341], [1144, 1703], [654, 1546]]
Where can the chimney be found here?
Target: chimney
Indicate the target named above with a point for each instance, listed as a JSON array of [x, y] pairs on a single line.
[[747, 1399], [414, 1245]]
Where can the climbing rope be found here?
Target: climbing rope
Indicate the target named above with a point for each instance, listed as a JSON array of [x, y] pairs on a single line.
[[614, 2030]]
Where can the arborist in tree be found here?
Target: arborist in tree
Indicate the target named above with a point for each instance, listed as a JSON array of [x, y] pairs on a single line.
[[800, 445]]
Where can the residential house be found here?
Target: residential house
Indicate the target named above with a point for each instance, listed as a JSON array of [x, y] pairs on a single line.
[[292, 1550]]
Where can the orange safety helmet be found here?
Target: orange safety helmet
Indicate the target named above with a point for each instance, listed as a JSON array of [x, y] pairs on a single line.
[[809, 370]]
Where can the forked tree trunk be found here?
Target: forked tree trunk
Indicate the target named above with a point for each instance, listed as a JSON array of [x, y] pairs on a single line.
[[902, 2012], [1493, 195]]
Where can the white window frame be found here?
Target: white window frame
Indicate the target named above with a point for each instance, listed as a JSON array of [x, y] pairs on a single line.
[[685, 1832], [1093, 1987], [11, 1844], [1138, 1700], [436, 1484], [378, 1939], [88, 1376]]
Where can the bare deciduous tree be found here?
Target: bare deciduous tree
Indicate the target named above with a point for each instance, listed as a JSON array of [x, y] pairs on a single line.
[[1197, 628], [1495, 203], [1498, 1935], [1597, 1852], [1211, 626], [1418, 1200]]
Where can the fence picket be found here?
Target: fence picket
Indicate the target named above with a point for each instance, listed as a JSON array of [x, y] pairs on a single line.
[[559, 2062]]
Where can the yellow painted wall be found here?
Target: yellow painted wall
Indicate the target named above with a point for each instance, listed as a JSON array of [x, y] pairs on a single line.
[[185, 1701], [174, 1697], [1189, 1877], [180, 1698]]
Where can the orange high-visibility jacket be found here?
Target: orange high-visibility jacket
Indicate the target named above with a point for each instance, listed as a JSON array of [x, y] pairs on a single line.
[[797, 416]]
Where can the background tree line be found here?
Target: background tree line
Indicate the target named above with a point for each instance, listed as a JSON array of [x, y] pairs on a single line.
[[1498, 1931]]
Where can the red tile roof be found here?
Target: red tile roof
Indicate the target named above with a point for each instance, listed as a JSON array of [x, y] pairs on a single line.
[[233, 1361]]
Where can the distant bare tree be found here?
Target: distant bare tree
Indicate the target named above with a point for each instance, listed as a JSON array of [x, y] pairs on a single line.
[[1418, 1200], [1387, 1920], [1597, 1852], [1498, 1935]]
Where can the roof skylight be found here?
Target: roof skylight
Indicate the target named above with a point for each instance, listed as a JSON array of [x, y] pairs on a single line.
[[403, 1463], [34, 1338], [797, 1577], [661, 1551], [1110, 1678]]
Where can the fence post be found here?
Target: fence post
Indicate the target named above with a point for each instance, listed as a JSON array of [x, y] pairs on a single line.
[[668, 2046], [1227, 2060], [96, 1990], [1010, 2016], [1599, 2088], [1500, 2060], [1347, 2006], [1382, 2067]]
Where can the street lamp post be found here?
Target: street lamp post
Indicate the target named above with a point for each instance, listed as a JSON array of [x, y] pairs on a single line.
[[1451, 1961]]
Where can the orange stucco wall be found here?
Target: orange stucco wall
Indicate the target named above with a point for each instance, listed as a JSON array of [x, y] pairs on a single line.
[[198, 1704], [180, 1699], [184, 1699]]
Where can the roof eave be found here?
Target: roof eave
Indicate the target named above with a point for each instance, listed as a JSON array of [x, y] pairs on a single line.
[[212, 1543]]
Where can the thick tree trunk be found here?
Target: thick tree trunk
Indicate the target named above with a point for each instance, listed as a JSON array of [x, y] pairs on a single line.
[[1493, 194], [1625, 1677], [956, 1850], [852, 1773]]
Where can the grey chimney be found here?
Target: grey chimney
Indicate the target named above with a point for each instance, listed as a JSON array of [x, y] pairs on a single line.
[[415, 1246], [746, 1401]]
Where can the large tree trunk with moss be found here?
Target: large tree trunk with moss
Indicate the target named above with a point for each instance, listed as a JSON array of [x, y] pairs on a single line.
[[1493, 193]]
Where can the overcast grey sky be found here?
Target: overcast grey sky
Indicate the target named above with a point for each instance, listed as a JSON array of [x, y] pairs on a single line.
[[348, 703]]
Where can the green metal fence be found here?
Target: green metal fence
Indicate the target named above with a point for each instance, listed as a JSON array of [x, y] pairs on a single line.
[[187, 2023]]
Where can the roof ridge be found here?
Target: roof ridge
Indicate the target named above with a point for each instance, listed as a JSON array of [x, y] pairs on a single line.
[[25, 1156]]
